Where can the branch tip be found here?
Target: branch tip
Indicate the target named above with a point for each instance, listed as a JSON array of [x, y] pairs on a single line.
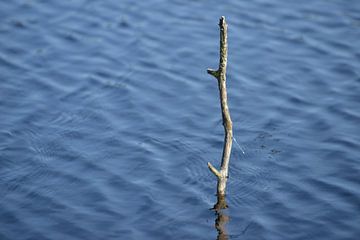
[[222, 20], [214, 170], [213, 72]]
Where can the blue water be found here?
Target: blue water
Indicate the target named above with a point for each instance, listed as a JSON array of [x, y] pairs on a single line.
[[108, 119]]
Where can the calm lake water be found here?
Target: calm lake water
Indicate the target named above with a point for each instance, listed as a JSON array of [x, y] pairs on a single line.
[[108, 119]]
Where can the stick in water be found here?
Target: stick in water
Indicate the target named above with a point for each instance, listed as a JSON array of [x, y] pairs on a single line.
[[220, 75]]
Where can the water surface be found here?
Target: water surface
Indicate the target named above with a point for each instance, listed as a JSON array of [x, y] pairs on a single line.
[[108, 119]]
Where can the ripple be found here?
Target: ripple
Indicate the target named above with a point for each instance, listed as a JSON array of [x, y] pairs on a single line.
[[196, 165], [11, 183], [248, 184], [17, 172]]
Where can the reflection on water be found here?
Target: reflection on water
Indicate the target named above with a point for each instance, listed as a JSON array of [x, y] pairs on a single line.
[[220, 222], [221, 217]]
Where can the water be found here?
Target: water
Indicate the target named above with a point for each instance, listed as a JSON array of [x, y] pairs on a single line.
[[108, 119]]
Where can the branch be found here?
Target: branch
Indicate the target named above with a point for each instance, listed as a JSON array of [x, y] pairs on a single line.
[[220, 75], [214, 170], [213, 73]]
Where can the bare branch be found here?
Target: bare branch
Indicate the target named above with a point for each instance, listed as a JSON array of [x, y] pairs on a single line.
[[220, 75], [214, 170], [213, 73]]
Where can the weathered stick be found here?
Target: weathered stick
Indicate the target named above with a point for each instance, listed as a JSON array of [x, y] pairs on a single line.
[[220, 75]]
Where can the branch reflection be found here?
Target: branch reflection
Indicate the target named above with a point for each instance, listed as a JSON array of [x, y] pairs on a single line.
[[221, 218]]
